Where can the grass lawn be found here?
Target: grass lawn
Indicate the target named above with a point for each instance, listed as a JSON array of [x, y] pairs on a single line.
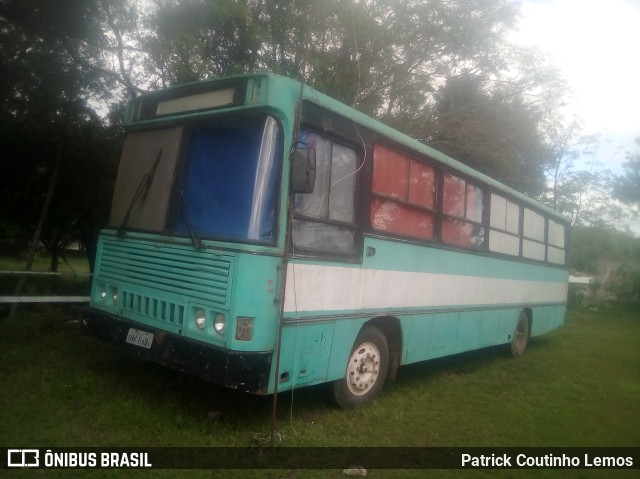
[[76, 263], [577, 386]]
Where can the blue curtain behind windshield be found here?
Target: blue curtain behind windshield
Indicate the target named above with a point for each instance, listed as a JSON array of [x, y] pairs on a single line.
[[220, 183]]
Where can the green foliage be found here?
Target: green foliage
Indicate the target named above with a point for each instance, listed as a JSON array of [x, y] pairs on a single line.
[[52, 54], [81, 198], [584, 195], [442, 71], [624, 286], [470, 122], [590, 243], [594, 250], [52, 63], [576, 296], [388, 59]]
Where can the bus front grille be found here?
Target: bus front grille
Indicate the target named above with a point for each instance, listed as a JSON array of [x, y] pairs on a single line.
[[157, 280], [157, 309]]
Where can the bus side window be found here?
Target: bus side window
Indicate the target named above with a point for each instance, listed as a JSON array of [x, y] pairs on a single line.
[[403, 198], [462, 208], [556, 248], [504, 220], [533, 230], [325, 219]]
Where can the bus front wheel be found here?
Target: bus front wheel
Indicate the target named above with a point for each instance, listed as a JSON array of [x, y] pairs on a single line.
[[520, 335], [366, 369]]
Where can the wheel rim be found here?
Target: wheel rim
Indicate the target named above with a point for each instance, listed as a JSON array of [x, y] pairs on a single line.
[[363, 369], [520, 339]]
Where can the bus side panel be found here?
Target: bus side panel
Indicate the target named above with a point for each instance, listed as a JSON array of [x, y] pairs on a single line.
[[547, 318], [315, 352], [256, 295], [443, 333], [304, 355], [445, 301]]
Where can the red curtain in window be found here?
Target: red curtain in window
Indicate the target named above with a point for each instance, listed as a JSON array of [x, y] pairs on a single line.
[[402, 188]]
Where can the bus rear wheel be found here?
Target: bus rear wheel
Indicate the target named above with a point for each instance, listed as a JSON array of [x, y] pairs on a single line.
[[366, 369], [520, 336]]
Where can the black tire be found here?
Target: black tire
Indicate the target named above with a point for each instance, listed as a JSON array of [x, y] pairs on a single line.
[[366, 369], [520, 337]]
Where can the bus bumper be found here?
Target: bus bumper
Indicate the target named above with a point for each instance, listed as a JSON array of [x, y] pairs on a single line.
[[245, 371]]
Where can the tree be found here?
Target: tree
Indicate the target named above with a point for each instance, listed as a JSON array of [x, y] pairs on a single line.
[[589, 243], [75, 160], [51, 72], [442, 71], [492, 132], [585, 195], [404, 63], [627, 186]]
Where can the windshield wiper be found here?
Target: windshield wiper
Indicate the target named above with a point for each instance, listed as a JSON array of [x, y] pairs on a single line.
[[142, 190], [195, 240]]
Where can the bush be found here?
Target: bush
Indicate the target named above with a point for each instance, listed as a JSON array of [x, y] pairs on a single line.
[[576, 296], [624, 286]]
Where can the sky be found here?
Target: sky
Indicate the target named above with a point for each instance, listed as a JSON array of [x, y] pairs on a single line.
[[596, 46]]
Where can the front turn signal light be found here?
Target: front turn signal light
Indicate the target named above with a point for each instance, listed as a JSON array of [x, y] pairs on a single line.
[[244, 328]]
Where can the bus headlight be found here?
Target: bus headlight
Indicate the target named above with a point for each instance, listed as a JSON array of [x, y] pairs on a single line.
[[244, 328], [201, 318], [219, 323], [114, 296], [103, 293]]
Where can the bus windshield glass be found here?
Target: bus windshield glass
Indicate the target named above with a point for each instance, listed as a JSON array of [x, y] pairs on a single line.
[[222, 177]]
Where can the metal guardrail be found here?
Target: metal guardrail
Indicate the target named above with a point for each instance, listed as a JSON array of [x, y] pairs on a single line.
[[42, 299], [41, 273], [30, 273]]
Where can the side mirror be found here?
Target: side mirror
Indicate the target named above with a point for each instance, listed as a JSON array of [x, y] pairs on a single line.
[[303, 170]]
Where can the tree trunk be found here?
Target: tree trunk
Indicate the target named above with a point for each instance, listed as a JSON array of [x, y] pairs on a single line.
[[561, 154], [54, 262], [43, 216]]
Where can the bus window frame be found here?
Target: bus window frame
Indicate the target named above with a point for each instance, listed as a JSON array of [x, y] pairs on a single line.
[[356, 225], [517, 235], [174, 209], [440, 170], [406, 203], [484, 217]]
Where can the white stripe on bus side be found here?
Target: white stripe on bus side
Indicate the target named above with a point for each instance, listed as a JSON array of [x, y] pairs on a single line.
[[336, 288]]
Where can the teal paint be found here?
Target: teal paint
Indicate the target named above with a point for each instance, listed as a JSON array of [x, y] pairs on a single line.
[[160, 280]]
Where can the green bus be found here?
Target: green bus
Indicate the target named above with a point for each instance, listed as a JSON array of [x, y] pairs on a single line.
[[265, 237]]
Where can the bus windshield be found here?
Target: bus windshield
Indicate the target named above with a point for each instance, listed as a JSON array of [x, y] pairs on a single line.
[[217, 179]]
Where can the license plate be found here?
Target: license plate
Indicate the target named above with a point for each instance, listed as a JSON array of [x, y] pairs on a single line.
[[140, 338]]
